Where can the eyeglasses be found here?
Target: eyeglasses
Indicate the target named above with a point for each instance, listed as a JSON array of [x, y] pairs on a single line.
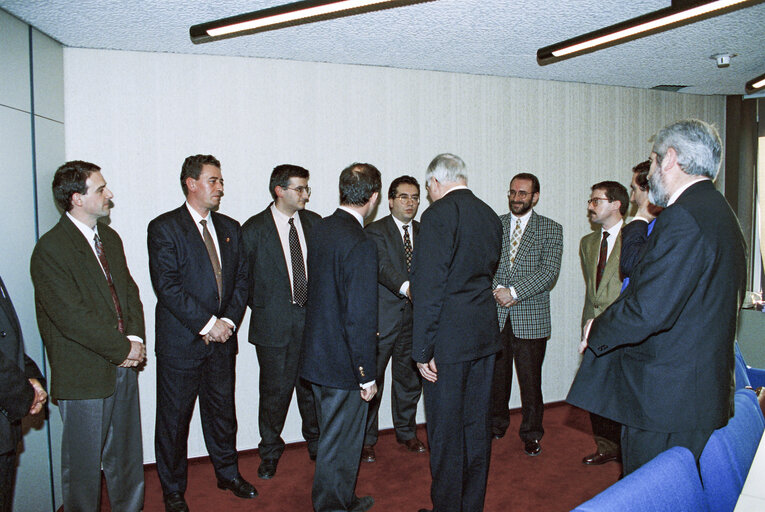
[[300, 190], [520, 194], [404, 198], [595, 200]]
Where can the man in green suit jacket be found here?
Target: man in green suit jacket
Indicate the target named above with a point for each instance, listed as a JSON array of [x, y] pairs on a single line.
[[91, 321], [599, 254]]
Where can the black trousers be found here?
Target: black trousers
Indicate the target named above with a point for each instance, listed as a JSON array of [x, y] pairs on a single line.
[[405, 382], [179, 383], [278, 377], [7, 479], [528, 355], [342, 415], [640, 446], [459, 434], [607, 434]]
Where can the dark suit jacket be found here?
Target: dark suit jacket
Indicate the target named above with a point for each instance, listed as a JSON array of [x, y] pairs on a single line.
[[75, 310], [392, 272], [634, 237], [668, 338], [16, 393], [455, 257], [270, 290], [340, 337], [184, 282]]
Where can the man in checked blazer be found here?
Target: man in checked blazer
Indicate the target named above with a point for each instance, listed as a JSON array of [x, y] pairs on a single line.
[[599, 253], [532, 246]]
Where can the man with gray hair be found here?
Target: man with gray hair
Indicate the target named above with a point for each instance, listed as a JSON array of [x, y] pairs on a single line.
[[668, 338], [456, 333]]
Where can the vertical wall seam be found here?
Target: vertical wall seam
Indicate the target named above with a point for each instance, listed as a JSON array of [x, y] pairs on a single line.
[[37, 237]]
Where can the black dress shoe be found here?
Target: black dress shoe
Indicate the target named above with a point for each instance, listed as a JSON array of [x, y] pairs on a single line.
[[532, 448], [267, 468], [499, 435], [239, 486], [312, 456], [413, 445], [425, 510], [597, 458], [174, 502], [362, 504], [368, 453]]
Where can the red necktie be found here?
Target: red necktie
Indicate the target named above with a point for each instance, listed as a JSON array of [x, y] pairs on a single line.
[[105, 264], [602, 258]]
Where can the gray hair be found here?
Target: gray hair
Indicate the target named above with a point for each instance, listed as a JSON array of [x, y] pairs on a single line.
[[697, 144], [446, 168]]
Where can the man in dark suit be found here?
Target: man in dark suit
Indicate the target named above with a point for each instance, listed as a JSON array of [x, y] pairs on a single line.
[[532, 246], [341, 338], [199, 273], [456, 334], [275, 243], [395, 236], [667, 341], [22, 392], [91, 321], [635, 233]]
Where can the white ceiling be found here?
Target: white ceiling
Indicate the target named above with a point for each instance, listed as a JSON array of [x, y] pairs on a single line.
[[487, 37]]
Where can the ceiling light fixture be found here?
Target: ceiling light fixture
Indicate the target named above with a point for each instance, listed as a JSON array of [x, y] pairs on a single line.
[[681, 12], [755, 85], [297, 13]]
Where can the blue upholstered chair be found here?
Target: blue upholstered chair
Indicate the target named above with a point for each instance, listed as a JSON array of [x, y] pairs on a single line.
[[745, 374], [668, 483], [728, 455]]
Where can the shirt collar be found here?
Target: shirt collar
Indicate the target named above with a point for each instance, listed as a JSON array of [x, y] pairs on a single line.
[[281, 216], [458, 187], [614, 230], [355, 214], [86, 230], [195, 214], [685, 187]]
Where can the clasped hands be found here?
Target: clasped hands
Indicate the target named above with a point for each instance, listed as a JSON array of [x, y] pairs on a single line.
[[220, 332], [40, 397], [136, 356], [504, 298]]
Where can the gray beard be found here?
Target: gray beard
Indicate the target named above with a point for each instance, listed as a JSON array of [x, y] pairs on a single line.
[[657, 192]]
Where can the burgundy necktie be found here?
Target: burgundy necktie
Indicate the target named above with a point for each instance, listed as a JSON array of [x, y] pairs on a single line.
[[105, 264], [602, 258]]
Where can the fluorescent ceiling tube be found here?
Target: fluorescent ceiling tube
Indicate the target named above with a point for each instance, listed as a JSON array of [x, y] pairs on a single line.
[[755, 85], [682, 12], [297, 13]]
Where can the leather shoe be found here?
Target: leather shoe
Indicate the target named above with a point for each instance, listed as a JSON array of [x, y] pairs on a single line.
[[597, 458], [174, 502], [413, 445], [239, 486], [362, 504], [532, 448], [425, 510], [267, 468], [368, 453]]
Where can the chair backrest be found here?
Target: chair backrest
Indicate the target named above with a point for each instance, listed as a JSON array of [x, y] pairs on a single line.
[[668, 483], [728, 455], [742, 375]]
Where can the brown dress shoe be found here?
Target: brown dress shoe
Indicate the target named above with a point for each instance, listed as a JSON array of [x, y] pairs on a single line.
[[597, 458], [413, 445], [368, 453]]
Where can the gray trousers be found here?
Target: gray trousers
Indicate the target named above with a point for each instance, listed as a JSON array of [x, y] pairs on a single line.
[[103, 432]]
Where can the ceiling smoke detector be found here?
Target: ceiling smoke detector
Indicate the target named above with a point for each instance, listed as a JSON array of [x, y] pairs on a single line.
[[723, 59]]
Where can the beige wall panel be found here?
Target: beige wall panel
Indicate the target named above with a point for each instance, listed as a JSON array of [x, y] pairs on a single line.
[[138, 115], [14, 56], [48, 69]]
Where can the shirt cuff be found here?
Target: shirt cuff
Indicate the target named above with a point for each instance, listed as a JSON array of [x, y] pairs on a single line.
[[404, 288], [367, 385], [133, 337], [230, 323], [641, 219], [512, 292], [208, 326]]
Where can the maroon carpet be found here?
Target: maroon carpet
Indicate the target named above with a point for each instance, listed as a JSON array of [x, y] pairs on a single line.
[[399, 481]]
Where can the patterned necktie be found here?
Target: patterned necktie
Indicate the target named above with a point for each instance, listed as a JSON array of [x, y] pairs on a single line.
[[515, 240], [213, 254], [105, 265], [299, 281], [602, 258], [407, 248]]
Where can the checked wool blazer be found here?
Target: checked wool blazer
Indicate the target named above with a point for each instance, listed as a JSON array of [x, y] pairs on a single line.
[[533, 274]]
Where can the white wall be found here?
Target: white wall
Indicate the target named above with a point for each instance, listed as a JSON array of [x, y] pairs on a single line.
[[138, 115]]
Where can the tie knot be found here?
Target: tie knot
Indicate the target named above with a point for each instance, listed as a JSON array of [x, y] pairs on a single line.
[[406, 227], [291, 222], [605, 234], [203, 222], [96, 239]]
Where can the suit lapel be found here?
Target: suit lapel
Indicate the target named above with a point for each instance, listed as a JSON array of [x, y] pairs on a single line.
[[195, 243], [274, 245], [91, 267], [226, 255], [527, 239], [397, 250]]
